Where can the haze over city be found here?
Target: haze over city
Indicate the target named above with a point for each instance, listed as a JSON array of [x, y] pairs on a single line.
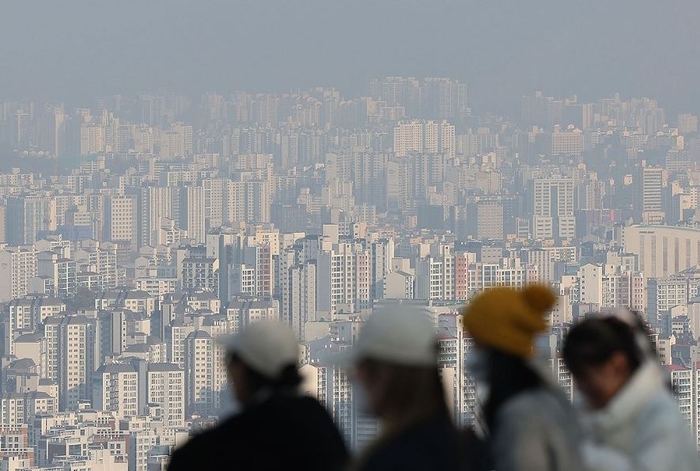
[[175, 175], [74, 51]]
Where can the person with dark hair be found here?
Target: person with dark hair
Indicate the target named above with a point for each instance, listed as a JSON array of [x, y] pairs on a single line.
[[277, 428], [395, 368], [630, 412], [530, 424]]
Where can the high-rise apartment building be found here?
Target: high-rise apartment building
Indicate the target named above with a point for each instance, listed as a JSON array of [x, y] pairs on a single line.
[[165, 388], [115, 389], [18, 265], [248, 201], [650, 198], [507, 272], [71, 357], [428, 137], [454, 347], [408, 137], [300, 297], [611, 286], [214, 201], [199, 374], [28, 216], [92, 139], [489, 220], [444, 98], [120, 219], [62, 273], [252, 275], [193, 212], [686, 385], [381, 255], [435, 274], [200, 273], [553, 211], [100, 259], [567, 142], [664, 294], [155, 204], [343, 278], [687, 124], [177, 142]]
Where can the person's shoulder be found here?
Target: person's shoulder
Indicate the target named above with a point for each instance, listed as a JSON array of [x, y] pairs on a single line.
[[526, 402], [437, 441], [401, 456], [206, 438], [311, 404], [214, 445], [293, 405], [538, 405], [389, 456], [662, 411], [300, 399]]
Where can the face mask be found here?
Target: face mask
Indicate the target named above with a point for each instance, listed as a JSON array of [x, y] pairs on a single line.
[[477, 365]]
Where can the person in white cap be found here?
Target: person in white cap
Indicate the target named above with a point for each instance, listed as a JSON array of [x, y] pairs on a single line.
[[395, 367], [277, 428]]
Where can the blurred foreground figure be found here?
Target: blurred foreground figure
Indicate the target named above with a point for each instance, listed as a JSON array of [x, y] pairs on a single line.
[[395, 366], [276, 428], [629, 409], [531, 425]]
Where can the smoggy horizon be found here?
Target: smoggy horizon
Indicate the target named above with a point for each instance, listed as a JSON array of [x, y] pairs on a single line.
[[75, 51]]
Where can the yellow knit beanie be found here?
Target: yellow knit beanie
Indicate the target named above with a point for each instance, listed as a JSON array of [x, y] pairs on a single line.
[[508, 319]]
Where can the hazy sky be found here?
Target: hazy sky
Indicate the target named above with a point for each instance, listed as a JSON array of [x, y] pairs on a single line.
[[77, 49]]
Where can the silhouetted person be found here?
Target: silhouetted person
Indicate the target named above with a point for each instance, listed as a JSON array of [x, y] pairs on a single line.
[[629, 410], [530, 424], [277, 428], [395, 367]]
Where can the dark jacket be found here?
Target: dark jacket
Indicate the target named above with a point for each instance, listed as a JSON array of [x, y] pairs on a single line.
[[282, 432], [434, 445]]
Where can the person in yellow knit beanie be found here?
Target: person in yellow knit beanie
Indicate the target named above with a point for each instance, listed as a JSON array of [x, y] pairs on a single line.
[[509, 319], [529, 423]]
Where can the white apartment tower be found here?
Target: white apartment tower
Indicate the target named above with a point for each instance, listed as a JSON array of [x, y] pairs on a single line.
[[553, 216], [199, 374], [27, 216], [193, 212], [649, 204], [120, 219], [343, 278], [435, 274], [567, 142], [300, 302], [71, 357], [248, 201], [408, 137], [429, 137], [17, 266], [166, 388], [156, 204], [115, 389]]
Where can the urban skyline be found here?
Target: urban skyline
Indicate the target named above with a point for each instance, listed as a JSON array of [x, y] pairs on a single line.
[[136, 231]]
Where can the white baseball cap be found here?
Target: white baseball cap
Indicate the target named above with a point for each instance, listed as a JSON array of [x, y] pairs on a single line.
[[266, 347], [402, 335]]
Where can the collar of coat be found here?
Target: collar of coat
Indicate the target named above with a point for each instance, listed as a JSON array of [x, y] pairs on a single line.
[[635, 395]]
